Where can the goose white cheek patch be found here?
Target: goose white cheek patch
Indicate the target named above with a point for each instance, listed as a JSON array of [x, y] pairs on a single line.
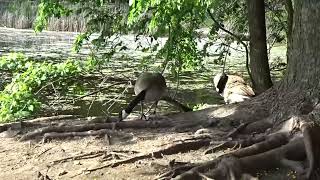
[[124, 114]]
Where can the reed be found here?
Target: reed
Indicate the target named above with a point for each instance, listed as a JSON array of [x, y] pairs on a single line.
[[22, 14]]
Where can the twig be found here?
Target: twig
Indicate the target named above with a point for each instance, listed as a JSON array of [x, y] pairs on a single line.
[[91, 103], [99, 90], [44, 151], [116, 98], [48, 84], [216, 148], [232, 47]]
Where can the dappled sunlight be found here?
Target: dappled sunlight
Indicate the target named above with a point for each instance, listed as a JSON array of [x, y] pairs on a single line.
[[223, 111]]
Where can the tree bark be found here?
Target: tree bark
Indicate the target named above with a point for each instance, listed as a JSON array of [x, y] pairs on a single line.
[[304, 55], [258, 46]]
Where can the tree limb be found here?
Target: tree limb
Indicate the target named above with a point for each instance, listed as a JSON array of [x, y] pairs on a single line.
[[237, 38]]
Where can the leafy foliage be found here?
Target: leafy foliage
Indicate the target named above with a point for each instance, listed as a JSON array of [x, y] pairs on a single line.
[[176, 19], [101, 19], [21, 98]]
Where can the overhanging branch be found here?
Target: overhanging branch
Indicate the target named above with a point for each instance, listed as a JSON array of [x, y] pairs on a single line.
[[237, 38]]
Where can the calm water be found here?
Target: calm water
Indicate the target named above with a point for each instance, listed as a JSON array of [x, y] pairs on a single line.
[[194, 88]]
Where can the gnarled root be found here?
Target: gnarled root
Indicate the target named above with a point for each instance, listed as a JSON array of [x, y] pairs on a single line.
[[232, 167], [311, 134]]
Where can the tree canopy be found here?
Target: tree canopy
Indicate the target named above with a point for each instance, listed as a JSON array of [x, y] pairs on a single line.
[[178, 20]]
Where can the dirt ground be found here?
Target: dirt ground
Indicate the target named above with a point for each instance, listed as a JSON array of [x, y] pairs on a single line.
[[25, 160]]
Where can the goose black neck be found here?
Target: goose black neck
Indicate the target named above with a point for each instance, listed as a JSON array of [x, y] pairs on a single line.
[[222, 82], [135, 101]]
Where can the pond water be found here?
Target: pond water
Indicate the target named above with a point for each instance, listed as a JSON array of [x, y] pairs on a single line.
[[195, 87]]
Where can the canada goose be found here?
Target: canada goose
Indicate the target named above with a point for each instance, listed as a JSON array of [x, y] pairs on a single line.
[[149, 87], [232, 88]]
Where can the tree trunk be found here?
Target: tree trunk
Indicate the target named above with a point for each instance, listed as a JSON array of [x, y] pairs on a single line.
[[293, 105], [303, 53], [258, 46]]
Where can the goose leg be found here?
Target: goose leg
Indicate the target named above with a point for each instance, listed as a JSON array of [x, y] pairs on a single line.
[[155, 104], [143, 116], [155, 107]]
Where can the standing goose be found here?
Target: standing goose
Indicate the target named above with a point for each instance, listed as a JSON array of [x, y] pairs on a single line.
[[149, 87], [232, 88]]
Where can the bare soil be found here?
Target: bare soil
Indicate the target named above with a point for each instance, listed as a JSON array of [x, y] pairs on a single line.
[[25, 160]]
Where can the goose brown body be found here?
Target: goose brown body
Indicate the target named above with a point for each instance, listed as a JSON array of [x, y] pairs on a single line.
[[149, 87], [154, 84], [234, 89]]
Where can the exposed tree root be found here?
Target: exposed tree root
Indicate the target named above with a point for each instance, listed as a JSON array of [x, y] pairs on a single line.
[[237, 130], [311, 134], [282, 149], [236, 143], [43, 177], [175, 171], [180, 147], [97, 126], [94, 154], [20, 124], [272, 141], [229, 167], [81, 156], [53, 135]]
